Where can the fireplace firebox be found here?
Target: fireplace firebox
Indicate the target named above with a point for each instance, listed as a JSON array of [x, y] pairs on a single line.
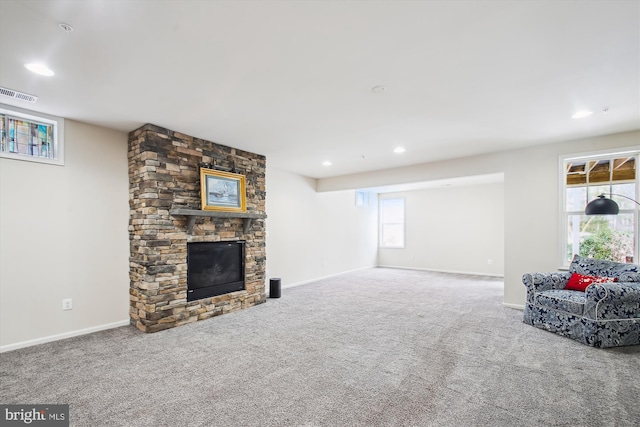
[[214, 268]]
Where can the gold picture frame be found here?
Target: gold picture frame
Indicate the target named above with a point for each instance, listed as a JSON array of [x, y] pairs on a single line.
[[222, 191]]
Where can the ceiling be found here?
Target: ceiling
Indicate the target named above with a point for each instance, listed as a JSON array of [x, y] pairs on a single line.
[[293, 80]]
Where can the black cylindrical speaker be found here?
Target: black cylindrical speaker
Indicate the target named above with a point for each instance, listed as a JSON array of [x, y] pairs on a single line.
[[275, 285]]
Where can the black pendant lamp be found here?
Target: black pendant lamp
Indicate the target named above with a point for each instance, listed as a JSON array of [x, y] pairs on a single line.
[[604, 206]]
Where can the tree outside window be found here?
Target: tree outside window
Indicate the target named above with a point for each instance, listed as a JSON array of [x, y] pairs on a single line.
[[609, 237]]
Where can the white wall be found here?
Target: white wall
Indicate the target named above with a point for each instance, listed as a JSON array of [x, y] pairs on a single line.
[[312, 235], [531, 216], [63, 229], [454, 229], [63, 234]]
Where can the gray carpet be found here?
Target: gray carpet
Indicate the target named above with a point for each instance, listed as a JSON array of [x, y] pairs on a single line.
[[378, 347]]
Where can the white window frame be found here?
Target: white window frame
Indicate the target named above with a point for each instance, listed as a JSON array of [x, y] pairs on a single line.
[[594, 155], [58, 134], [404, 222]]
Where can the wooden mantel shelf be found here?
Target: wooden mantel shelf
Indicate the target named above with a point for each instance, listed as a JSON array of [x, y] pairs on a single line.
[[192, 214]]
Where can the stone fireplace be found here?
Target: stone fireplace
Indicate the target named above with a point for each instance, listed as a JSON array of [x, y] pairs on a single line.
[[165, 215]]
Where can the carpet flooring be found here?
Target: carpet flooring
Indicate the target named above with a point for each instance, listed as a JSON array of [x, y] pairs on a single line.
[[376, 347]]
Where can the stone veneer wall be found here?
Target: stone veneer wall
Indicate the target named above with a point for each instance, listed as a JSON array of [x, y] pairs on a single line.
[[163, 175]]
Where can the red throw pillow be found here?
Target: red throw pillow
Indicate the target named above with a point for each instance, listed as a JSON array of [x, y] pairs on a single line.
[[579, 282]]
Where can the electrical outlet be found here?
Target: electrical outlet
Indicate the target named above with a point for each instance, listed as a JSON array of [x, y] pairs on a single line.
[[67, 304], [489, 261]]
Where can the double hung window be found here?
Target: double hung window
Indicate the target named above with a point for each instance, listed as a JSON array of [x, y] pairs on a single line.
[[391, 223], [610, 237]]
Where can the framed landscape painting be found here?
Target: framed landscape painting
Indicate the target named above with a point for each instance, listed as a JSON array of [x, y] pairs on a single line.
[[222, 191]]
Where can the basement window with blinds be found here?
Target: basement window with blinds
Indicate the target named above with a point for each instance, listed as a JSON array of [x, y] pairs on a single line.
[[31, 136], [610, 237]]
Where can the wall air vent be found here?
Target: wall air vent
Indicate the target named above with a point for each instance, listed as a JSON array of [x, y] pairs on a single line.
[[17, 95]]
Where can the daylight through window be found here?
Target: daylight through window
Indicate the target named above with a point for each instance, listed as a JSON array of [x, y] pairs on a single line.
[[392, 223], [611, 237]]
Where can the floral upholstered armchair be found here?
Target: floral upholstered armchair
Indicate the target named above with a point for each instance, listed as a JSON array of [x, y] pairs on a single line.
[[606, 313]]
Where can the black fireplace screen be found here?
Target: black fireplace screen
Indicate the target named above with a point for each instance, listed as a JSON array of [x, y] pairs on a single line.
[[214, 268]]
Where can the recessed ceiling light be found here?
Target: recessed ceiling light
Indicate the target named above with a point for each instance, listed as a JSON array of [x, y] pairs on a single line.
[[399, 150], [326, 163], [378, 90], [41, 69], [581, 114]]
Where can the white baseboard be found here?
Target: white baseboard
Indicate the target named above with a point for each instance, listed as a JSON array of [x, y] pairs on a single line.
[[469, 273], [304, 282], [514, 306], [29, 343]]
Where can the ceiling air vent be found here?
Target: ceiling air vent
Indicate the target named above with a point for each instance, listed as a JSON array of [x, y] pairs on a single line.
[[17, 95]]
